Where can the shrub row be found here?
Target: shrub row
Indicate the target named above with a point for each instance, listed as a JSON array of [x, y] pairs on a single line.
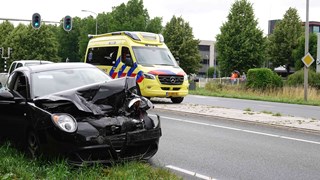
[[263, 78], [297, 79]]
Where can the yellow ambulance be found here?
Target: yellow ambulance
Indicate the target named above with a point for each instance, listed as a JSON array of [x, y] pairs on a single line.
[[142, 55]]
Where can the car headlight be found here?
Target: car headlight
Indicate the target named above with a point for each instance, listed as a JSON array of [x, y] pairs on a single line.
[[149, 76], [65, 122]]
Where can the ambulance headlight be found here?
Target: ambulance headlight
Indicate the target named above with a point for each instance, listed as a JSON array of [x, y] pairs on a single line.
[[149, 76]]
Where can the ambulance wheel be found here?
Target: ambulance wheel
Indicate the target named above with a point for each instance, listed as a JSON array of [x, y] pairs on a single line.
[[177, 100]]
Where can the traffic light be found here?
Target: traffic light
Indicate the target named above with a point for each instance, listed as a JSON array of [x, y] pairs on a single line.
[[1, 52], [36, 21], [67, 23]]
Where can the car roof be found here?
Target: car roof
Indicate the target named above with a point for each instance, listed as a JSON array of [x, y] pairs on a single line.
[[32, 61], [55, 66]]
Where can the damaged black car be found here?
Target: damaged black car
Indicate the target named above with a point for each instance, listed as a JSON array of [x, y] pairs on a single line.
[[78, 111]]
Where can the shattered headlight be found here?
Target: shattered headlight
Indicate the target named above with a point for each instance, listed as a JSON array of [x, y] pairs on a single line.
[[65, 122]]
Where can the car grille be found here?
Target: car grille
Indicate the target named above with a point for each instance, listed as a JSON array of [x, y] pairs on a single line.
[[171, 80]]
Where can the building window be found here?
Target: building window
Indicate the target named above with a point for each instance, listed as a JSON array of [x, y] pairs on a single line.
[[316, 29], [204, 48]]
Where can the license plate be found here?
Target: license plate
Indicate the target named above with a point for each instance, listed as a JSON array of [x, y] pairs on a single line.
[[172, 94]]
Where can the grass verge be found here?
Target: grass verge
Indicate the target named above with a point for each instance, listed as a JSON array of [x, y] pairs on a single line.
[[14, 165], [293, 95]]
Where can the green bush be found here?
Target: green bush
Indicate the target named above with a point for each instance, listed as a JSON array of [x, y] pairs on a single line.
[[297, 78], [263, 78], [211, 72]]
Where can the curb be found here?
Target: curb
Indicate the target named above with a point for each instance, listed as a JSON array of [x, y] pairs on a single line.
[[291, 128]]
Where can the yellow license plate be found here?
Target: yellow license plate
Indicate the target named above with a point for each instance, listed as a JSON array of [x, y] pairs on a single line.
[[172, 94]]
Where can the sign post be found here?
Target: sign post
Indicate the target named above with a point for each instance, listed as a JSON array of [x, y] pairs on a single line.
[[318, 53], [306, 50]]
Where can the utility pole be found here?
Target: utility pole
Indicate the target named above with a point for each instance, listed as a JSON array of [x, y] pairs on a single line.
[[318, 54], [306, 50]]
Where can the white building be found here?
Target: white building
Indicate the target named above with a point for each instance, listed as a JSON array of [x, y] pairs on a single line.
[[208, 55]]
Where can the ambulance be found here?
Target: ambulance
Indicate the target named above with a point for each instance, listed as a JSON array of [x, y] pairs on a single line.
[[142, 55]]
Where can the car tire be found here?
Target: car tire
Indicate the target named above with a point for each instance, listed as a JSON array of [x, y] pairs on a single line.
[[177, 100], [32, 145]]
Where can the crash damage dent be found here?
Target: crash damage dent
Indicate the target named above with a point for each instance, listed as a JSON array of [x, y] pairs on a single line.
[[112, 122]]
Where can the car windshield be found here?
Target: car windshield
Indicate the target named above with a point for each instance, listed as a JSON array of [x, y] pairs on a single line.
[[154, 56], [48, 82]]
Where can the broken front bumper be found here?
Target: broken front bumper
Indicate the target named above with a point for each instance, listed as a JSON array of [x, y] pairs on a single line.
[[89, 146]]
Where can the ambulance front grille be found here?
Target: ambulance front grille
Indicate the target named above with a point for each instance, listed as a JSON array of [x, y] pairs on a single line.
[[170, 80]]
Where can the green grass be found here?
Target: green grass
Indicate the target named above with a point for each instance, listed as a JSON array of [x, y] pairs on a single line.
[[293, 95], [14, 165]]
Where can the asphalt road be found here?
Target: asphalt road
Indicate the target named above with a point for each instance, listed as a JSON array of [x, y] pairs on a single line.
[[258, 106], [200, 147]]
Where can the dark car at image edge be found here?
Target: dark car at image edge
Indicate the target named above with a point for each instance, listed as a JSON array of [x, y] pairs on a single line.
[[77, 111]]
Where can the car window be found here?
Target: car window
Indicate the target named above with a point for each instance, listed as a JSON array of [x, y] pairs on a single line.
[[12, 67], [21, 85], [102, 56], [19, 65]]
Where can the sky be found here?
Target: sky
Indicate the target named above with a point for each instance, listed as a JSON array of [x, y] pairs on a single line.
[[204, 16]]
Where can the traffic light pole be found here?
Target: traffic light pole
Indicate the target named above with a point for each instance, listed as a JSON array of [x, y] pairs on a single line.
[[5, 58], [27, 20]]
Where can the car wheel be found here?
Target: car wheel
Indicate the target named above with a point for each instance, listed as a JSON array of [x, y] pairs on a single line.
[[33, 145], [177, 100]]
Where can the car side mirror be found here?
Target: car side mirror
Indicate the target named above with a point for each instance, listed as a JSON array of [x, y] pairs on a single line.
[[6, 95]]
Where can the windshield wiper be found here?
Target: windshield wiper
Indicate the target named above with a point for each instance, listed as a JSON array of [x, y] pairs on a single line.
[[165, 64]]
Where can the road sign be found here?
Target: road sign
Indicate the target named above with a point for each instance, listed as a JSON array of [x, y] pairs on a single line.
[[307, 59]]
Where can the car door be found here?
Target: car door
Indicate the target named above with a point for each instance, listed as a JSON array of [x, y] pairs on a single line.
[[13, 110]]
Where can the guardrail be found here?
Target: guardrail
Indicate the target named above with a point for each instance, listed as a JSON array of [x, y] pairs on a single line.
[[201, 82]]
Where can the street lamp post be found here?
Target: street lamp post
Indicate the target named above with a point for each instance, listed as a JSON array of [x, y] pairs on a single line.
[[96, 18], [208, 65], [215, 68]]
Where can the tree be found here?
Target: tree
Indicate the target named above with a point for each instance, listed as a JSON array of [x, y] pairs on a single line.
[[180, 40], [132, 17], [240, 45], [285, 39], [5, 29], [69, 41], [29, 43], [87, 26], [154, 25], [298, 53]]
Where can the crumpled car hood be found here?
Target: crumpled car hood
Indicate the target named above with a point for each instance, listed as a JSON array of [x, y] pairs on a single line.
[[97, 99]]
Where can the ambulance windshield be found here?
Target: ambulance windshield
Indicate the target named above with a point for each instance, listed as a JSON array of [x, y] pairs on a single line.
[[154, 56]]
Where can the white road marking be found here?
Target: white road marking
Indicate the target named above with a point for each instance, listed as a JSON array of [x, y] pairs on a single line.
[[189, 172], [242, 130], [201, 97]]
